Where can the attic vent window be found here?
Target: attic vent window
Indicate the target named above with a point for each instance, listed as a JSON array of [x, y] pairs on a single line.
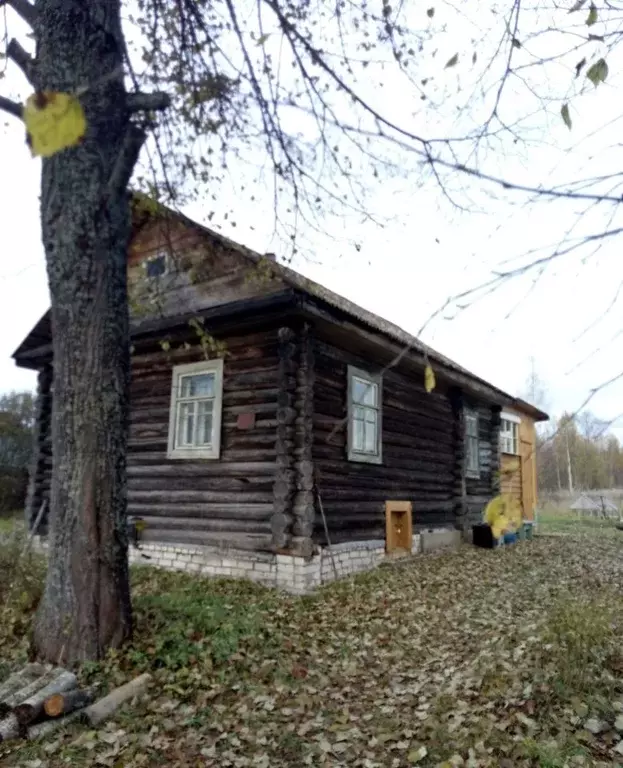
[[156, 266]]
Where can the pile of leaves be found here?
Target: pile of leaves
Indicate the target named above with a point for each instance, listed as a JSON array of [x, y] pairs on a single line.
[[478, 658]]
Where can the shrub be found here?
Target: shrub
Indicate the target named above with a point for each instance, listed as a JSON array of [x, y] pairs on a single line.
[[17, 410], [21, 586], [13, 484]]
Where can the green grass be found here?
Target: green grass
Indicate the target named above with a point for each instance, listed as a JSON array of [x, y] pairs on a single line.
[[552, 520]]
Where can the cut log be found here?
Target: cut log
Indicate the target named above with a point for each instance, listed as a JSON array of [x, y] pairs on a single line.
[[21, 694], [41, 730], [19, 679], [30, 710], [106, 706], [10, 728], [63, 703]]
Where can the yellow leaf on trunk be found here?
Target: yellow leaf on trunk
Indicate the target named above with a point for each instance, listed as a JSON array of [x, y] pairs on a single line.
[[54, 121]]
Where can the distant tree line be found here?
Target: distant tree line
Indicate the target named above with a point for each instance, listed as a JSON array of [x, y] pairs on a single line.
[[575, 451], [17, 417], [579, 454]]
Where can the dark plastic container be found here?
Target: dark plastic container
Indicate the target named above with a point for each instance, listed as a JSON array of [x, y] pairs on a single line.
[[483, 536]]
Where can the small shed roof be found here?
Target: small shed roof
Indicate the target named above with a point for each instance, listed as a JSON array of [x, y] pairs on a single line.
[[606, 504], [584, 504]]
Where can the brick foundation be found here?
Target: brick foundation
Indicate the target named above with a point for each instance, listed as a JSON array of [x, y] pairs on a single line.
[[297, 575]]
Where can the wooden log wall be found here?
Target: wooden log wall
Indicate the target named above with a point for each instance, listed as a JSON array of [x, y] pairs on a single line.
[[40, 471], [203, 501], [418, 452], [303, 510], [496, 456], [260, 493], [459, 493], [285, 471]]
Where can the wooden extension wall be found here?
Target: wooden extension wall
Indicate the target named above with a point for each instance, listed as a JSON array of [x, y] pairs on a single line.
[[423, 453], [527, 438], [518, 473]]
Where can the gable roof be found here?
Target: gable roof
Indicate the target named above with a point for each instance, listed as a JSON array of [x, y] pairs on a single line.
[[143, 208]]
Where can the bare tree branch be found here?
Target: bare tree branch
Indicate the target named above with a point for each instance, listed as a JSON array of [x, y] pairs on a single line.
[[24, 9], [126, 160], [148, 102], [22, 58], [12, 107]]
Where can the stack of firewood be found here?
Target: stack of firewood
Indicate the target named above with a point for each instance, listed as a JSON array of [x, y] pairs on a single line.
[[39, 699]]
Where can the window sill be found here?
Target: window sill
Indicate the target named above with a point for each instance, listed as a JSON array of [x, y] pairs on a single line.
[[509, 453], [472, 475], [362, 458], [186, 454]]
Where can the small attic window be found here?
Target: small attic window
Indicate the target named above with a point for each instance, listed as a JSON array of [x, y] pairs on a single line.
[[156, 266]]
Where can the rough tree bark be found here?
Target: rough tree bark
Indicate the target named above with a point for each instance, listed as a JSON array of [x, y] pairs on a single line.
[[86, 226]]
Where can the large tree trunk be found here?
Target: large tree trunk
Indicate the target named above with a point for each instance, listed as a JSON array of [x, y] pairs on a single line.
[[86, 226]]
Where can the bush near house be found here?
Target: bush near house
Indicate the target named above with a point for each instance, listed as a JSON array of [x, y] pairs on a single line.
[[16, 424]]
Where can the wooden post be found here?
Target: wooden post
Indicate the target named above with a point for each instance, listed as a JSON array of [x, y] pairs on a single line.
[[459, 487], [41, 444], [304, 509], [285, 472]]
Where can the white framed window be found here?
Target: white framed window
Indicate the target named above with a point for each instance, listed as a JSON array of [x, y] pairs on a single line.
[[156, 265], [365, 400], [509, 433], [472, 444], [196, 408]]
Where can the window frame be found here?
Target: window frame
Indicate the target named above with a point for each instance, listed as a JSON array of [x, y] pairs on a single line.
[[371, 378], [196, 452], [162, 254], [472, 413], [513, 436]]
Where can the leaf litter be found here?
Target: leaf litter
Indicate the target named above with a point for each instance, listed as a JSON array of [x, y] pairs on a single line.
[[477, 658]]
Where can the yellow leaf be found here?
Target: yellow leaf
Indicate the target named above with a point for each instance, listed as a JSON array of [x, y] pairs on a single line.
[[429, 379], [54, 121]]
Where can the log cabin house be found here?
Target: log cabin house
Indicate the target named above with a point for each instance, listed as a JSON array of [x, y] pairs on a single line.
[[271, 418]]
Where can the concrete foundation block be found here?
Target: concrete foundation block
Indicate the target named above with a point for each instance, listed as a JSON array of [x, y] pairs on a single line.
[[432, 541]]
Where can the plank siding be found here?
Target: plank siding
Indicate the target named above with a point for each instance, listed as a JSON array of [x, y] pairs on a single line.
[[418, 452], [511, 475]]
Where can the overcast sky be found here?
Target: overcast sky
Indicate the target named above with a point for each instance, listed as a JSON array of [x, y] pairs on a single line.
[[406, 271]]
